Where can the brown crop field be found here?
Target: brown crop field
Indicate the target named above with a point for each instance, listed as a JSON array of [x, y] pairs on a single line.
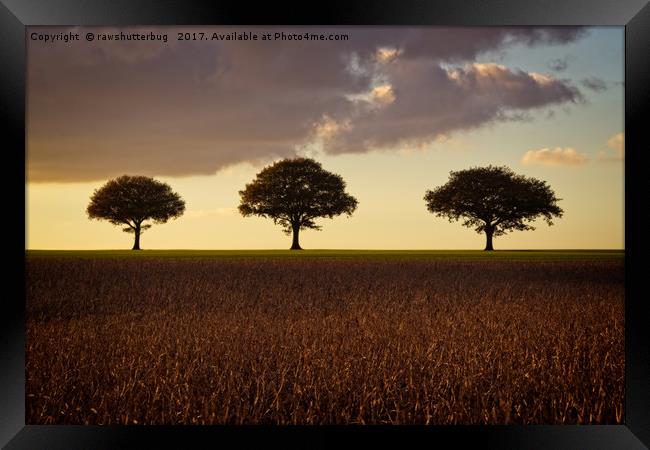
[[324, 341]]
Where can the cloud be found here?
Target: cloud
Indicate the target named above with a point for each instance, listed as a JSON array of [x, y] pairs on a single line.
[[218, 212], [327, 128], [595, 84], [446, 100], [559, 64], [97, 110], [386, 54], [554, 157], [383, 94], [616, 144]]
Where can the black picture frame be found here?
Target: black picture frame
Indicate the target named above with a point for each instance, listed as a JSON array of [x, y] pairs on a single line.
[[15, 15]]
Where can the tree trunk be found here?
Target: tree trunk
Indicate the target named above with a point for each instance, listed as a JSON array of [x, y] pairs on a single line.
[[488, 235], [136, 244], [295, 245]]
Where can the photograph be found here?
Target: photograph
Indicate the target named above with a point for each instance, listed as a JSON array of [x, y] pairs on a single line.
[[325, 225]]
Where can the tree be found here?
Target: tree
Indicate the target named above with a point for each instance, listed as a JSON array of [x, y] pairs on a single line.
[[493, 200], [132, 200], [294, 192]]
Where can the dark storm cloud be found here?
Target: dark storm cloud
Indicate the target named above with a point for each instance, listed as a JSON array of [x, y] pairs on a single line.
[[101, 109], [594, 84], [447, 101]]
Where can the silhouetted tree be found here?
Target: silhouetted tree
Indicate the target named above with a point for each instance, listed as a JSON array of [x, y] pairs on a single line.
[[132, 200], [493, 200], [294, 192]]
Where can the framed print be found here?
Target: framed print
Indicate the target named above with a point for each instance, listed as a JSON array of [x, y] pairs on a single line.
[[461, 250]]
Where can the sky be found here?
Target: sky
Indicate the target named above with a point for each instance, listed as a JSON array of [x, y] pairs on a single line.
[[392, 110]]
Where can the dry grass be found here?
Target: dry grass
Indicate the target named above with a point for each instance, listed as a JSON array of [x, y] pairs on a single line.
[[281, 341]]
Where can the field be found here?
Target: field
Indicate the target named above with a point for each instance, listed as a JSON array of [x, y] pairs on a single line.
[[329, 337]]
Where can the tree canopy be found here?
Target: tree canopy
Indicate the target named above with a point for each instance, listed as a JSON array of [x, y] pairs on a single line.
[[493, 200], [132, 200], [295, 192]]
